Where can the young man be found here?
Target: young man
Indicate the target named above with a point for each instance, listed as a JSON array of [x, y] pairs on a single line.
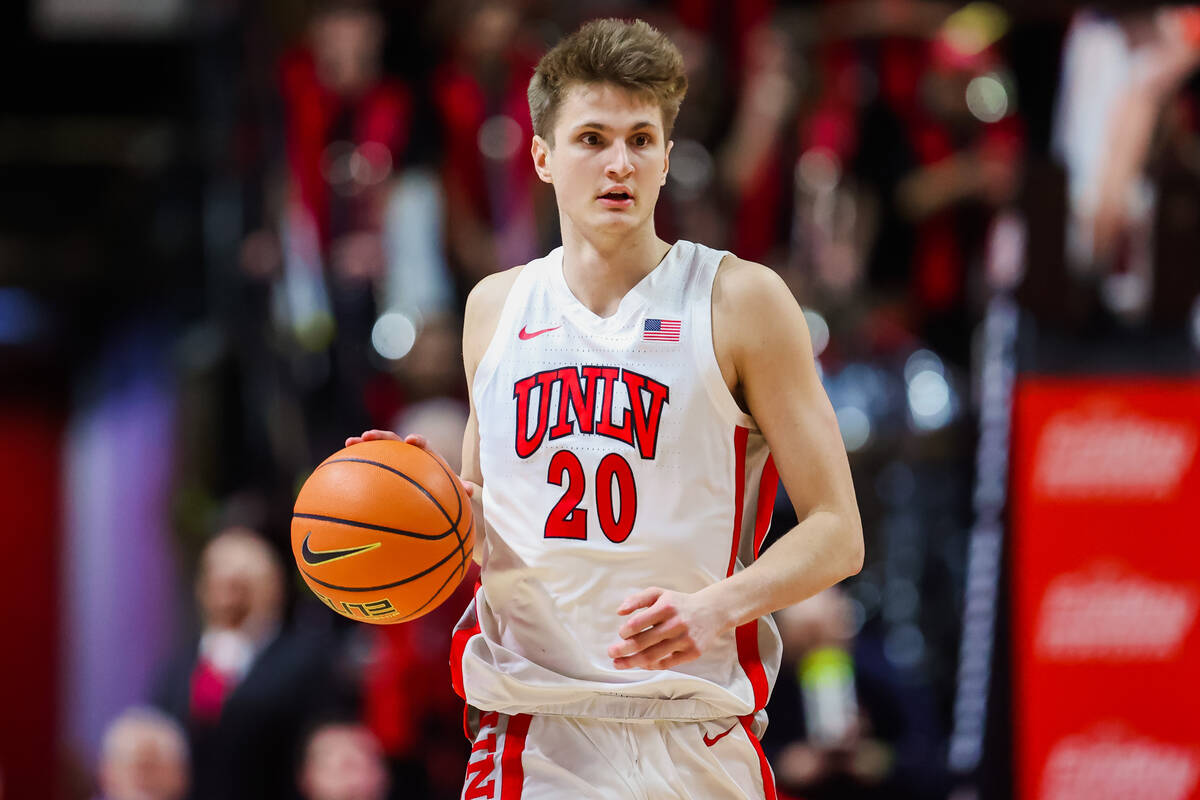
[[632, 404]]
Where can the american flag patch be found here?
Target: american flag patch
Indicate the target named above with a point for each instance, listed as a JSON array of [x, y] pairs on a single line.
[[661, 330]]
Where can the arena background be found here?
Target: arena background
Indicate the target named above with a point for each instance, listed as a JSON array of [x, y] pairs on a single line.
[[232, 233]]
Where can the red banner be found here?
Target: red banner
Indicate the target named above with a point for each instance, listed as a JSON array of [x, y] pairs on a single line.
[[1106, 588]]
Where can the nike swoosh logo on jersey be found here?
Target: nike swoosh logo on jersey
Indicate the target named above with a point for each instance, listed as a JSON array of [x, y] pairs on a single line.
[[315, 557], [524, 334], [711, 741]]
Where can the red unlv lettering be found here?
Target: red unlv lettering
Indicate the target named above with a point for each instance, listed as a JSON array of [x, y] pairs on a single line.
[[572, 408]]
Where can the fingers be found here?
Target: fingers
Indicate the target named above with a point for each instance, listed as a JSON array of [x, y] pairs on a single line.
[[657, 634], [469, 487], [677, 658], [651, 657], [654, 615], [663, 655], [375, 435], [650, 635], [645, 639], [638, 600]]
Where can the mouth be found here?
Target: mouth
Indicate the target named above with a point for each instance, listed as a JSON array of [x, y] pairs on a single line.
[[616, 199]]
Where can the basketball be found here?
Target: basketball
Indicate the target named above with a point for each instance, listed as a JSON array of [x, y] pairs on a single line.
[[382, 531]]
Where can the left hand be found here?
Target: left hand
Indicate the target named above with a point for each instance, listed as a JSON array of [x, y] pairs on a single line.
[[671, 628]]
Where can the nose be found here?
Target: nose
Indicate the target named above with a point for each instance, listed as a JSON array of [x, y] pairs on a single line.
[[620, 165]]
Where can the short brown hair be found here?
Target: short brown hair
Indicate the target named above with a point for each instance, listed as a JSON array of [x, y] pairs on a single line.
[[631, 55]]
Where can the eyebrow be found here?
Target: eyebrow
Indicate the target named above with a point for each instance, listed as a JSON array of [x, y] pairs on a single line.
[[602, 127]]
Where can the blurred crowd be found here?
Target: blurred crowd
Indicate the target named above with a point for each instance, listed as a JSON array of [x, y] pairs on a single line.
[[899, 162]]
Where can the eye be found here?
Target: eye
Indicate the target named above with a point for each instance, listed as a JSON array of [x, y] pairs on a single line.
[[590, 139], [641, 140]]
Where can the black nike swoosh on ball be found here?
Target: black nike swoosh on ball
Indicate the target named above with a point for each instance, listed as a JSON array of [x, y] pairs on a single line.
[[314, 557]]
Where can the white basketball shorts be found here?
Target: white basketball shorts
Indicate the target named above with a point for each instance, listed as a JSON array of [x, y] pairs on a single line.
[[552, 757]]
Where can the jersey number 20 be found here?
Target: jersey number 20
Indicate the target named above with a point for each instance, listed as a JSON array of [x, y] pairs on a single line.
[[568, 521]]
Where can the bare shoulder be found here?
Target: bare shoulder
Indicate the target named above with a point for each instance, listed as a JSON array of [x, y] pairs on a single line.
[[751, 303], [482, 314], [493, 289], [740, 282]]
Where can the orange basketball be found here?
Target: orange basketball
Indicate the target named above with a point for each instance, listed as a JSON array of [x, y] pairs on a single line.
[[382, 531]]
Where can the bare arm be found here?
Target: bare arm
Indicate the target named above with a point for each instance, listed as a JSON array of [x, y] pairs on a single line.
[[479, 325], [770, 348]]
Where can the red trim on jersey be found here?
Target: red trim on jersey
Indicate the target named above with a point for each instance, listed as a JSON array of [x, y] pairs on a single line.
[[751, 661], [768, 485], [740, 435], [512, 773], [747, 634], [458, 646], [767, 777]]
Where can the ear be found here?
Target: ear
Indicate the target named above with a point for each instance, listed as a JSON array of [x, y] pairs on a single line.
[[666, 162], [540, 150]]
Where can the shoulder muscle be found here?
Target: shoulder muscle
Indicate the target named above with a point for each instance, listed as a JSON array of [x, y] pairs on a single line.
[[755, 318], [482, 315]]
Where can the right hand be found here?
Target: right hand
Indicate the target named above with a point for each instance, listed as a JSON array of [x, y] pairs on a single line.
[[416, 440]]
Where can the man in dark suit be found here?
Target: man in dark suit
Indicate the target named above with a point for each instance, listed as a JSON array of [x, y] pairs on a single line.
[[246, 688]]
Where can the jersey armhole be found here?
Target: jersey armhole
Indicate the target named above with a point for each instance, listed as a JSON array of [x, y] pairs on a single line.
[[705, 353], [490, 360]]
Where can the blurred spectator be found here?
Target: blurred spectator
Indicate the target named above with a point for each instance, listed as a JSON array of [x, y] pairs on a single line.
[[347, 126], [354, 230], [143, 756], [691, 205], [1120, 74], [730, 28], [492, 196], [910, 146], [342, 761], [756, 154], [842, 724], [246, 687]]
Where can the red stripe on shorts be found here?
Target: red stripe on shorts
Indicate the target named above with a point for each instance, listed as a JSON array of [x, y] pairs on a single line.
[[512, 773], [767, 777]]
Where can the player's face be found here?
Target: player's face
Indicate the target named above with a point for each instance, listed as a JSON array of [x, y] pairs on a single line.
[[609, 159]]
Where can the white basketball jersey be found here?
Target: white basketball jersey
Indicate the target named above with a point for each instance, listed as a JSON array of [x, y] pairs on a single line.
[[614, 459]]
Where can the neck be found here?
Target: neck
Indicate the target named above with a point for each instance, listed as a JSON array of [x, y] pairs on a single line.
[[601, 269]]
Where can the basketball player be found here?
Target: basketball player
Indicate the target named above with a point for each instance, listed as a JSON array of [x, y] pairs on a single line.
[[633, 402]]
